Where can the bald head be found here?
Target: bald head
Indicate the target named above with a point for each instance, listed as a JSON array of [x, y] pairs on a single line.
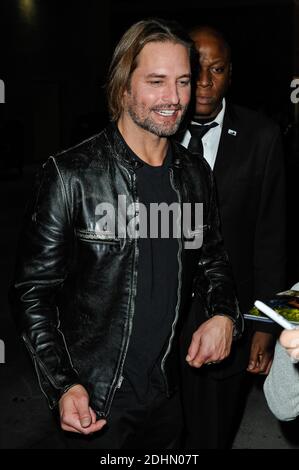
[[214, 71]]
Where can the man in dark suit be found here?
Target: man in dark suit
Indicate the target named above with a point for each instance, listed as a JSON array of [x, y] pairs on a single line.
[[244, 150]]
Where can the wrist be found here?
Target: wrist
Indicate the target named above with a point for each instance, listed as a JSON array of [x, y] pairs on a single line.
[[227, 321]]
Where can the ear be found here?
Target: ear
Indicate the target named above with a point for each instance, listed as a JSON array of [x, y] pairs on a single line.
[[230, 72]]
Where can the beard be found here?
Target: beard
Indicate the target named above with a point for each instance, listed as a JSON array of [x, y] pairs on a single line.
[[143, 120]]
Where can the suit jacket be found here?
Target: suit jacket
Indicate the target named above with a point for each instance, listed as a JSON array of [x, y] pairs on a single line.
[[249, 175]]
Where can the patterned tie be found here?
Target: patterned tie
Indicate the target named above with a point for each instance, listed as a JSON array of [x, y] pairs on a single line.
[[197, 133]]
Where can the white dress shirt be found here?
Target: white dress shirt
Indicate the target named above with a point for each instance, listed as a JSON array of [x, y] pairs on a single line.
[[211, 139]]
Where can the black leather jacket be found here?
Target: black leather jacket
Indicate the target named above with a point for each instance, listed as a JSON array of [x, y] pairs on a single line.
[[74, 288]]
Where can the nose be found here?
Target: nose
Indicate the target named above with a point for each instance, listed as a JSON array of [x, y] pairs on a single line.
[[204, 78], [171, 95]]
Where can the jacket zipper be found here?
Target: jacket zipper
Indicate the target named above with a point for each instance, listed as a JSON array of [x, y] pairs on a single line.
[[119, 377], [34, 359], [178, 289]]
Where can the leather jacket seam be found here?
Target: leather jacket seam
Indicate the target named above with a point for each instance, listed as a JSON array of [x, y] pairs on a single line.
[[63, 188]]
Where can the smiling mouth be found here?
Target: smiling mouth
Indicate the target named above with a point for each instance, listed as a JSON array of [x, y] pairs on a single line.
[[166, 112]]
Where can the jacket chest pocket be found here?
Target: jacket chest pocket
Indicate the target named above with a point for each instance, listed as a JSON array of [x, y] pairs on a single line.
[[101, 241]]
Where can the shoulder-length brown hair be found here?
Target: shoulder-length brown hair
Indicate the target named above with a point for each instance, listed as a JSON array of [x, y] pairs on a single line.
[[124, 59]]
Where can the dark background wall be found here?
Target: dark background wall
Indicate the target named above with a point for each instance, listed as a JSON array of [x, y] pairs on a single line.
[[53, 57]]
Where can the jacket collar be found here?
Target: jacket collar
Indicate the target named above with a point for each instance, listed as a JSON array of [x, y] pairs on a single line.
[[121, 152], [119, 148]]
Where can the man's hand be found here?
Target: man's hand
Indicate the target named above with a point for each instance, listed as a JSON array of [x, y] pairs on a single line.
[[289, 339], [261, 353], [211, 342], [75, 413]]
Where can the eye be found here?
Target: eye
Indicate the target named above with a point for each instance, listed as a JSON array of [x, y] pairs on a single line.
[[184, 82], [155, 82], [218, 69]]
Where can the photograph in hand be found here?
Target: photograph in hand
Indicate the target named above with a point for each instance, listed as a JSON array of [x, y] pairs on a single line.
[[285, 303]]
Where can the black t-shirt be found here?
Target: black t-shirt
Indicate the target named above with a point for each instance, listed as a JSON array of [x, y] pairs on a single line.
[[157, 281]]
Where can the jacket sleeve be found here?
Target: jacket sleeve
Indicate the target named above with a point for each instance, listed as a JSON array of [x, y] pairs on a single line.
[[281, 387], [42, 266], [215, 267]]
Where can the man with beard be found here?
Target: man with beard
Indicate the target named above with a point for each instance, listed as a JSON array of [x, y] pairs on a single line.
[[244, 150], [98, 305]]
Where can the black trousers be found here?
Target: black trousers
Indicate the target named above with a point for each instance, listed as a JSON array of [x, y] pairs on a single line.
[[212, 408], [152, 423]]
